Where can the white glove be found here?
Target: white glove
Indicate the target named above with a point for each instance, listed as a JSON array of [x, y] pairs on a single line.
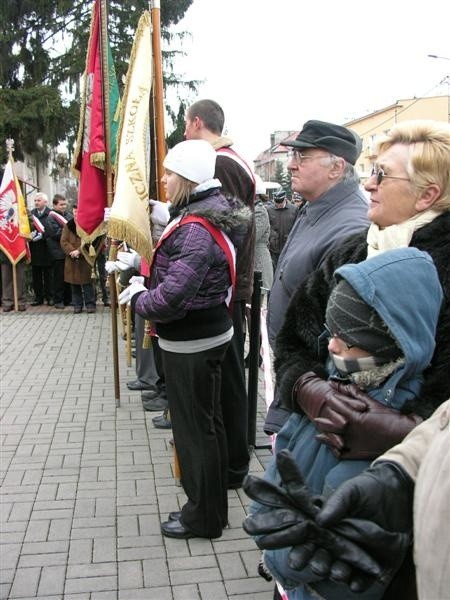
[[106, 213], [111, 267], [36, 236], [128, 260], [137, 285], [160, 212]]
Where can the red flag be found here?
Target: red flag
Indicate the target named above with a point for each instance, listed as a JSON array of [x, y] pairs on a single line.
[[11, 217], [91, 146]]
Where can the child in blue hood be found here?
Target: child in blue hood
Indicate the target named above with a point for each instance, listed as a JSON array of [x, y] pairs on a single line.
[[380, 324]]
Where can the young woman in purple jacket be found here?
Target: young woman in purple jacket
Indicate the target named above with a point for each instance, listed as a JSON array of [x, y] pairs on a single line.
[[188, 303]]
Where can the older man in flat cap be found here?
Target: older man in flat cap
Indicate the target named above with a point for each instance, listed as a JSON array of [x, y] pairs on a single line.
[[321, 163]]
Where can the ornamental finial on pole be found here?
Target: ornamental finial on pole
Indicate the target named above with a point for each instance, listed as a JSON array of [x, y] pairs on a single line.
[[10, 147]]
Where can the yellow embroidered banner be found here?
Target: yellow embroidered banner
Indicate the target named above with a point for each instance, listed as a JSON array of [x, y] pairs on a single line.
[[130, 218]]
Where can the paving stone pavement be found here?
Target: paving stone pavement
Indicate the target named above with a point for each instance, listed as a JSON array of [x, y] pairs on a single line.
[[85, 485]]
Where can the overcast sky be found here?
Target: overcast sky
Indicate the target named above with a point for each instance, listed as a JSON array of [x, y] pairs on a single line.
[[273, 65]]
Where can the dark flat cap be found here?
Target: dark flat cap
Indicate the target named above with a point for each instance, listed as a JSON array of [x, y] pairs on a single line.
[[336, 139]]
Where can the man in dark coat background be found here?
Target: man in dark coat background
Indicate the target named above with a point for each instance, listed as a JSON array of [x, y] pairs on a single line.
[[282, 215], [41, 261], [56, 220]]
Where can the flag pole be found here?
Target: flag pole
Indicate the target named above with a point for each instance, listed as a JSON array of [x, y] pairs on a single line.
[[158, 96], [105, 95], [109, 188]]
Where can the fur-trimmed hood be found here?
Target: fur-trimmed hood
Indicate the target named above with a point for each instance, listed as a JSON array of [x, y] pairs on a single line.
[[72, 226], [228, 214]]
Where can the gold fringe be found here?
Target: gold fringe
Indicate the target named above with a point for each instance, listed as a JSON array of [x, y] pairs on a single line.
[[97, 159], [90, 254], [147, 339], [123, 230], [88, 238]]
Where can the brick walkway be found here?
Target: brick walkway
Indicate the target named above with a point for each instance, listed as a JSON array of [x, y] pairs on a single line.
[[85, 485]]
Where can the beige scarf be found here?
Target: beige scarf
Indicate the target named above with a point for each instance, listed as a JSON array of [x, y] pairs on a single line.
[[397, 236]]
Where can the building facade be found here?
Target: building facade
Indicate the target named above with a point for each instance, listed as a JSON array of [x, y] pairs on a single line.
[[369, 128], [52, 178], [268, 162]]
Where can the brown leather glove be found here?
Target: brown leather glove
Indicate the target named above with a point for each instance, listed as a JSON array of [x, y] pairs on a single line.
[[366, 434], [315, 396]]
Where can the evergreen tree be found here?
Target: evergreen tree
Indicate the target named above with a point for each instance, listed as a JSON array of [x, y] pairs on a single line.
[[42, 57], [177, 134]]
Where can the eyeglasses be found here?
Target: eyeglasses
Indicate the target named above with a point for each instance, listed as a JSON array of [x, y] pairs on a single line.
[[299, 157], [335, 335], [379, 173]]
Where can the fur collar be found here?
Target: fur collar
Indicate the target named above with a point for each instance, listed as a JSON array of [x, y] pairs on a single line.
[[71, 226], [224, 213], [377, 375], [222, 142]]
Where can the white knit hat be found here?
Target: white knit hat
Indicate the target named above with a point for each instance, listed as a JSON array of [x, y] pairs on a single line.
[[193, 159]]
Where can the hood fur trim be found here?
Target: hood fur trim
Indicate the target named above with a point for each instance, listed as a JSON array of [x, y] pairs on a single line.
[[227, 221]]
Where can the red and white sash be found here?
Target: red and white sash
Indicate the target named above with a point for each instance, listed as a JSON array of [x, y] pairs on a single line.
[[218, 236], [58, 217], [37, 224]]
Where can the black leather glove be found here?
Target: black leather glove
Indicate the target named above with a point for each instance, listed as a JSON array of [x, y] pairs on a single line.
[[381, 497], [322, 564], [383, 494], [291, 523], [293, 509], [364, 433]]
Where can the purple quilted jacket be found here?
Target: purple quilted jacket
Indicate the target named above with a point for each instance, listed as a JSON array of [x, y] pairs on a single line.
[[190, 271]]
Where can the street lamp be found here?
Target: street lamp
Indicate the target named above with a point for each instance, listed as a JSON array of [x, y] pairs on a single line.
[[436, 56]]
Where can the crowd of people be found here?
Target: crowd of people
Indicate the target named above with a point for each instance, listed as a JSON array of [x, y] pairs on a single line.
[[61, 275], [206, 404], [358, 316], [355, 374]]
